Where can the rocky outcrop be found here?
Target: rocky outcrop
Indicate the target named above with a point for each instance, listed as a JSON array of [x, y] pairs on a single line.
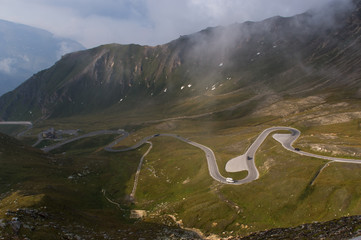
[[343, 228]]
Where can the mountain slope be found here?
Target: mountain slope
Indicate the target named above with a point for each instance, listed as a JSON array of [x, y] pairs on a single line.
[[280, 55], [26, 50], [220, 87], [46, 204]]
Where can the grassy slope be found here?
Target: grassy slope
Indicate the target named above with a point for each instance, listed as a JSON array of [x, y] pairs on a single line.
[[175, 180], [32, 180]]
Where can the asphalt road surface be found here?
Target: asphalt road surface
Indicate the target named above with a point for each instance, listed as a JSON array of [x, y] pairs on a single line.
[[16, 123], [28, 124], [247, 160], [91, 134], [240, 163], [211, 159], [132, 195]]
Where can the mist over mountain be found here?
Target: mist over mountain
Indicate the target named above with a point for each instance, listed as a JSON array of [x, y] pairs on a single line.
[[25, 50], [305, 54], [252, 128]]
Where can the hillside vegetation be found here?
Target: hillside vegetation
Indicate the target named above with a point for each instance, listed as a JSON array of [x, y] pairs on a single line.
[[220, 87], [210, 70]]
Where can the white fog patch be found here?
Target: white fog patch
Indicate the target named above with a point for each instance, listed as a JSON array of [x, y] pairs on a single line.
[[147, 22], [25, 58], [64, 48], [5, 65]]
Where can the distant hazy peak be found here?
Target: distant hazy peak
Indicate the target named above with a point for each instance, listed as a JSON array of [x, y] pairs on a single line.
[[25, 50]]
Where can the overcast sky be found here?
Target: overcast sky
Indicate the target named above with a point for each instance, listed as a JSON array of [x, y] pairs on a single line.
[[146, 22]]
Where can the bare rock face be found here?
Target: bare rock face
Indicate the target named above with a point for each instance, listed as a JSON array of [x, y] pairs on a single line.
[[2, 223], [138, 214], [15, 225], [343, 228]]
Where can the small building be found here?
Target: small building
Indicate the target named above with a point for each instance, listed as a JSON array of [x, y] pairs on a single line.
[[49, 134]]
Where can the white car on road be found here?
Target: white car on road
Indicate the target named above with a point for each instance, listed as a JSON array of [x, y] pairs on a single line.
[[229, 180]]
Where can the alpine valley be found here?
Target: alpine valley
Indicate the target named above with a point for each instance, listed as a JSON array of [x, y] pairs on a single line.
[[134, 142]]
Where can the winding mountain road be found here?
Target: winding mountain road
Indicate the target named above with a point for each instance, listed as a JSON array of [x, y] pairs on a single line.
[[211, 159], [242, 162], [91, 134], [132, 195], [245, 162], [16, 123], [26, 123]]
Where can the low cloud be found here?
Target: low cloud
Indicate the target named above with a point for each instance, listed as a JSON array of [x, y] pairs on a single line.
[[146, 22], [65, 47], [5, 65]]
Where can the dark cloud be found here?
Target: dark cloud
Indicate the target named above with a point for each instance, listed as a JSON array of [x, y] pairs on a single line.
[[151, 22]]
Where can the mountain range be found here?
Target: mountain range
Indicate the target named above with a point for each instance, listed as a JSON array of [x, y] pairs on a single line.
[[297, 55], [209, 93], [26, 50]]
